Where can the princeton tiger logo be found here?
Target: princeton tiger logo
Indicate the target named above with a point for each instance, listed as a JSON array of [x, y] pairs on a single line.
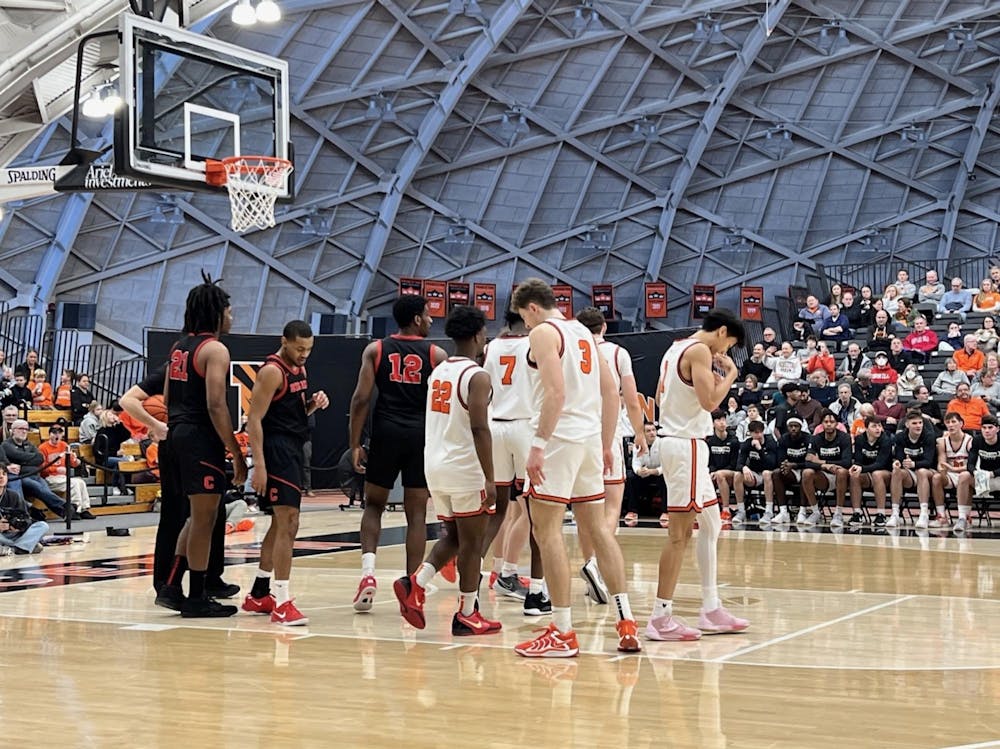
[[242, 375]]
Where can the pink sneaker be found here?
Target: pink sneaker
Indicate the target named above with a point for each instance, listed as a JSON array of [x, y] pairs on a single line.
[[670, 629], [720, 622], [365, 596]]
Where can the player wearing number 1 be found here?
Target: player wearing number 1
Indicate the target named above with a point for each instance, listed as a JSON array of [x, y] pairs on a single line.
[[399, 367]]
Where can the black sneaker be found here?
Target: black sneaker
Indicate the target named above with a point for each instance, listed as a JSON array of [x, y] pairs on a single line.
[[537, 604], [510, 586], [879, 521], [87, 515], [171, 597], [199, 608], [856, 519], [221, 589]]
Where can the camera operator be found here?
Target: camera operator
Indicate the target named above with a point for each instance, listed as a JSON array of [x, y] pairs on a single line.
[[19, 534]]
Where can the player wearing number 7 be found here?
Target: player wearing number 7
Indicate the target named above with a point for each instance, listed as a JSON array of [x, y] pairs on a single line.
[[277, 426]]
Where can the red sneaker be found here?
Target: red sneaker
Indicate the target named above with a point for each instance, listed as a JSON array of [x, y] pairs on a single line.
[[365, 596], [628, 636], [264, 605], [474, 624], [724, 514], [288, 615], [450, 570], [550, 644], [411, 600], [493, 578], [246, 524]]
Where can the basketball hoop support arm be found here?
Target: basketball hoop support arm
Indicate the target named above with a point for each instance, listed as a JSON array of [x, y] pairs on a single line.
[[74, 155]]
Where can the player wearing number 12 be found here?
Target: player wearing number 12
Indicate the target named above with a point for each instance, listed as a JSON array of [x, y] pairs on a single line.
[[399, 367]]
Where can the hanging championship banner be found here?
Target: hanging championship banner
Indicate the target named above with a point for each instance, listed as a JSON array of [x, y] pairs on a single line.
[[435, 292], [564, 299], [656, 300], [603, 297], [411, 286], [458, 293], [752, 303], [702, 300], [485, 295]]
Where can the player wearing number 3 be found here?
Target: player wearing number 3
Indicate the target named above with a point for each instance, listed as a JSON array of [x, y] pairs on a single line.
[[574, 421], [399, 367]]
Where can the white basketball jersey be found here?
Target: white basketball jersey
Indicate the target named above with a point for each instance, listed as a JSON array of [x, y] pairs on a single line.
[[681, 414], [451, 465], [581, 416], [505, 361], [957, 459], [620, 363]]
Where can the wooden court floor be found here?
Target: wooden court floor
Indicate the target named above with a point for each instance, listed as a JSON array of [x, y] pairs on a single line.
[[856, 641]]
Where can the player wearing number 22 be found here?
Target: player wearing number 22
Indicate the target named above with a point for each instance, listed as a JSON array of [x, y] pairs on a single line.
[[399, 367], [458, 460]]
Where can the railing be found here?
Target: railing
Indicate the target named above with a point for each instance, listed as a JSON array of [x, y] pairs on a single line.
[[878, 273], [59, 349], [971, 270], [23, 332]]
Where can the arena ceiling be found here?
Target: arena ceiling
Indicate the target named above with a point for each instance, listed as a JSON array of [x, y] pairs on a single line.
[[613, 141]]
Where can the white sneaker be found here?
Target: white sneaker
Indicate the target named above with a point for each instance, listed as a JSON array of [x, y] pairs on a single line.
[[894, 521], [815, 518], [801, 517], [961, 526], [767, 517], [941, 521], [6, 551], [837, 521], [782, 517], [740, 517], [923, 520]]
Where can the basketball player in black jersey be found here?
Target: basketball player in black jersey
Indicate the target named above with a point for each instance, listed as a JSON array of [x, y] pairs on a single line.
[[277, 424], [399, 367], [202, 430]]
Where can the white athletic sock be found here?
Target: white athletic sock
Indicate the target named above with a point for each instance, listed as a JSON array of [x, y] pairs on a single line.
[[508, 569], [709, 527], [425, 573], [498, 564], [280, 590], [535, 585], [368, 563], [895, 509], [562, 618], [467, 603], [662, 607], [622, 607], [266, 574], [768, 506], [813, 508], [963, 511], [925, 506]]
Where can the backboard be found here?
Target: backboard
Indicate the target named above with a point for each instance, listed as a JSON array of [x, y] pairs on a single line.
[[188, 98]]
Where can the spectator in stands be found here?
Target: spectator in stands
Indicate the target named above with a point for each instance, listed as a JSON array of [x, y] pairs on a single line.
[[956, 301], [986, 336], [81, 397], [23, 462], [54, 451], [905, 315], [28, 366], [9, 417], [90, 423], [836, 295], [987, 300], [734, 414], [888, 407], [954, 340], [810, 349], [866, 411], [909, 380], [863, 388], [770, 341], [6, 383], [897, 358], [758, 457], [904, 286], [969, 358], [854, 362], [971, 408], [845, 407], [754, 413], [20, 394], [929, 408], [19, 532], [913, 466], [947, 382], [866, 305], [750, 392], [881, 332], [992, 364], [756, 364], [813, 314], [723, 452], [882, 373], [890, 299], [953, 462], [41, 391], [919, 343], [871, 468], [791, 459], [829, 461], [836, 327], [995, 276], [108, 444], [853, 312], [792, 391], [766, 410], [808, 408], [63, 394], [646, 480], [988, 388], [820, 389], [785, 367], [984, 464], [932, 289], [824, 360]]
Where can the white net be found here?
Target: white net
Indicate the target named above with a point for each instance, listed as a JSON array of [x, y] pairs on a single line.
[[254, 183]]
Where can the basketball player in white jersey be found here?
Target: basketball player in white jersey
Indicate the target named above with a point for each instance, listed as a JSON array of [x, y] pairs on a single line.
[[695, 377], [458, 464], [576, 409], [620, 365], [953, 468], [505, 361]]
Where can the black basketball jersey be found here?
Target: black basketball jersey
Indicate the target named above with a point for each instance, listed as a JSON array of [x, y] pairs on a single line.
[[403, 367], [187, 400], [287, 413]]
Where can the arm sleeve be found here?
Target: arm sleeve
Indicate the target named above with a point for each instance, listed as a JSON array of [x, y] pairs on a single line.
[[734, 453], [744, 454], [770, 453], [845, 450], [973, 462]]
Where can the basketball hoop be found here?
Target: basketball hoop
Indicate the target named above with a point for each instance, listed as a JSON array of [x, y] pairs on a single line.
[[253, 183]]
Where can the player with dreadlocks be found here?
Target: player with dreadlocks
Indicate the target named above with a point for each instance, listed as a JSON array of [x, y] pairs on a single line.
[[198, 417]]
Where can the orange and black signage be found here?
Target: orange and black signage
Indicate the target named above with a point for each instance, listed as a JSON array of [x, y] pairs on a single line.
[[435, 292], [564, 299], [656, 300], [485, 299], [603, 296], [702, 300], [411, 286], [752, 303], [458, 293]]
